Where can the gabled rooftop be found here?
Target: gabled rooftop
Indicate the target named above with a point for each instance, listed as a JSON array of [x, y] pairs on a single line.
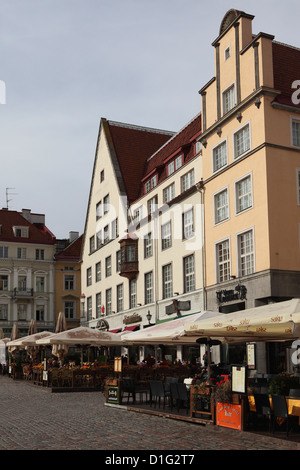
[[133, 145], [37, 230]]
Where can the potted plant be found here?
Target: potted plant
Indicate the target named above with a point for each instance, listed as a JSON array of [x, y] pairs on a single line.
[[282, 383], [223, 393]]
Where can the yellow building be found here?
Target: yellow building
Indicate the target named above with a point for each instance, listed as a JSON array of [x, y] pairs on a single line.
[[68, 282], [251, 163]]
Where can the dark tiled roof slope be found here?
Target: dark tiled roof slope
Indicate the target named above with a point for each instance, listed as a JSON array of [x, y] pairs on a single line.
[[286, 66], [133, 146], [182, 142], [38, 233], [72, 252]]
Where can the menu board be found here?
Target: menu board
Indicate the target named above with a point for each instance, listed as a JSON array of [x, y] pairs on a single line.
[[238, 379], [251, 356]]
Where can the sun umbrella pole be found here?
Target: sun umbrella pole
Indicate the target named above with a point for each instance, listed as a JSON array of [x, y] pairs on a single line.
[[208, 360]]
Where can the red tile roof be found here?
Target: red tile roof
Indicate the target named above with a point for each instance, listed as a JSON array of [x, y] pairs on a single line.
[[38, 232], [133, 146], [182, 142], [286, 66], [72, 252]]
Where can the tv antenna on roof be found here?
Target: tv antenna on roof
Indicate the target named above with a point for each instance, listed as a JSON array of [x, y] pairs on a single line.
[[7, 195]]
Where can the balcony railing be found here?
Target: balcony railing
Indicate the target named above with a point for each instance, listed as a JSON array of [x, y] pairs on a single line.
[[23, 292]]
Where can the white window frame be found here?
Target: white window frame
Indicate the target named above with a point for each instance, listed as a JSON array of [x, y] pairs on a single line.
[[169, 193], [166, 235], [236, 195], [187, 180], [217, 264], [148, 279], [213, 155], [188, 224], [239, 256], [189, 274], [294, 119], [228, 48], [120, 297], [218, 193], [167, 281], [108, 301], [237, 131], [224, 93]]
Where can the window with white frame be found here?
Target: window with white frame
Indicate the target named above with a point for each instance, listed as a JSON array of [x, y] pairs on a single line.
[[243, 194], [167, 281], [175, 164], [187, 181], [138, 214], [227, 53], [151, 183], [106, 234], [152, 205], [69, 309], [98, 271], [22, 232], [223, 261], [39, 254], [220, 156], [132, 293], [228, 99], [108, 301], [3, 282], [22, 312], [69, 282], [166, 236], [149, 288], [169, 193], [89, 306], [3, 311], [21, 253], [221, 206], [22, 283], [108, 266], [92, 244], [99, 240], [40, 284], [106, 204], [99, 210], [98, 305], [246, 253], [89, 276], [296, 132], [148, 245], [120, 298], [188, 224], [3, 251], [242, 141], [114, 229], [189, 273]]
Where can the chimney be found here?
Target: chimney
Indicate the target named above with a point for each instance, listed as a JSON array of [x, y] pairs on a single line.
[[73, 236]]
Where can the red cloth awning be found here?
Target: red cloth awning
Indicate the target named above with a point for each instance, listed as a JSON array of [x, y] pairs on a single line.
[[132, 328], [116, 331]]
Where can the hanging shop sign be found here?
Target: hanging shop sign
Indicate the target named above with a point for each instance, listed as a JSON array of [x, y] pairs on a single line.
[[228, 295], [177, 306]]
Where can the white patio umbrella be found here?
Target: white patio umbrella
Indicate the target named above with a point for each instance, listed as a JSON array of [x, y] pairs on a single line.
[[83, 336]]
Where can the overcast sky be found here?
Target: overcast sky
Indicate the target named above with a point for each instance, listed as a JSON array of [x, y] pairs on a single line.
[[67, 63]]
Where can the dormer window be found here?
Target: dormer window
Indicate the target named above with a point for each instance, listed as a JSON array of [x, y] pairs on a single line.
[[21, 232], [175, 164], [151, 183]]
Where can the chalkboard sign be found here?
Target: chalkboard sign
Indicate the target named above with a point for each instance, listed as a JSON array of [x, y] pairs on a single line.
[[112, 394]]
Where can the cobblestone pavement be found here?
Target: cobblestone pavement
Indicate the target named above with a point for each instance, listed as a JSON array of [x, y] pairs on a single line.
[[33, 418]]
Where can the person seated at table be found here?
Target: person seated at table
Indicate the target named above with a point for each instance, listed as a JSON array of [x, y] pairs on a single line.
[[150, 361]]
